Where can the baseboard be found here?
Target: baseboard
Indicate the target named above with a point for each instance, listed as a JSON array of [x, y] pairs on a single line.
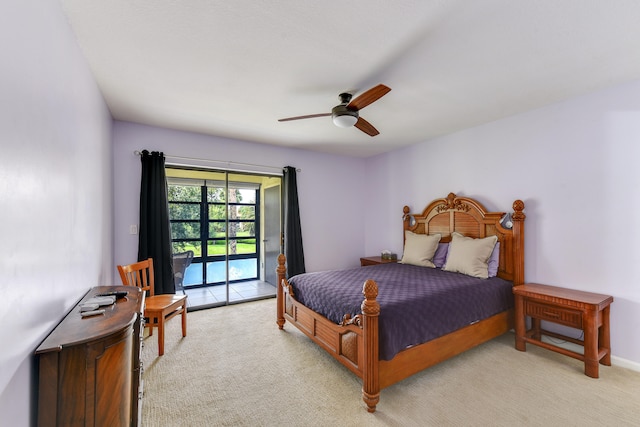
[[615, 360], [625, 363]]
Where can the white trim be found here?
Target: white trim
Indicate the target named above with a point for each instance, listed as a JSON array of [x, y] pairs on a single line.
[[615, 360], [199, 182], [625, 363]]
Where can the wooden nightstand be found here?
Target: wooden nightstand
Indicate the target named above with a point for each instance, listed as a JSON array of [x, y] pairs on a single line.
[[577, 309], [374, 260]]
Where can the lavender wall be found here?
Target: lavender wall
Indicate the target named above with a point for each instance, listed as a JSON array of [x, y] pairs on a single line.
[[55, 189], [330, 189], [575, 166]]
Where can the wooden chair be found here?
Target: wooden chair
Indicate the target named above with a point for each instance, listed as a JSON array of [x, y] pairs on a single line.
[[157, 308]]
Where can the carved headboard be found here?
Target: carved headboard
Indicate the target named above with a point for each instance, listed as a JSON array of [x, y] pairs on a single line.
[[469, 217]]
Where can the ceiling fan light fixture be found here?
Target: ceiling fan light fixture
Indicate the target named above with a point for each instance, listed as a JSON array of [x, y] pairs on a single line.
[[343, 117], [345, 121]]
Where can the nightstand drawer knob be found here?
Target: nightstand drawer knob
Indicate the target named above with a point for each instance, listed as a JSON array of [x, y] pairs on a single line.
[[551, 314]]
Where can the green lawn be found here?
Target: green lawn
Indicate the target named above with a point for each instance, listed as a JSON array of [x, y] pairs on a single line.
[[218, 248]]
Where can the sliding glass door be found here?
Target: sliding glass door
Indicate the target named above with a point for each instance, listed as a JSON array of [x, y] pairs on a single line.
[[220, 216], [232, 222]]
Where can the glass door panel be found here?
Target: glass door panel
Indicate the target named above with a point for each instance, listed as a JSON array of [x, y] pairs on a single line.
[[217, 215]]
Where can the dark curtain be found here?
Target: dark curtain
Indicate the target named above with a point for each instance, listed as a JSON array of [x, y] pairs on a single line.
[[154, 239], [292, 231]]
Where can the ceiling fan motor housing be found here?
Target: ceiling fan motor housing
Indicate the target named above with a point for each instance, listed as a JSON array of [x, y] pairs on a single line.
[[344, 117]]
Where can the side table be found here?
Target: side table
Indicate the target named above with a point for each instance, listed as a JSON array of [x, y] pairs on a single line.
[[577, 309], [374, 260]]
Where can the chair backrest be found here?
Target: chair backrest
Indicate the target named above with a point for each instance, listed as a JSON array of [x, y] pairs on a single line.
[[139, 274]]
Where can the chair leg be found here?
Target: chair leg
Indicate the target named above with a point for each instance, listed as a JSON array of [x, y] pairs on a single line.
[[160, 336], [184, 320]]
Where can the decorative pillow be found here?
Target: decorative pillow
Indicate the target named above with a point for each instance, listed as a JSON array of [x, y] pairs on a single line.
[[419, 249], [470, 256], [494, 261], [440, 257]]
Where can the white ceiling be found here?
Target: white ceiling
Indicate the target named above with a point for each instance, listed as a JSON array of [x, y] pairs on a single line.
[[233, 68]]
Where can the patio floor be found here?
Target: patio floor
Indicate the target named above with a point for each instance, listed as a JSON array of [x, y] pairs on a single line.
[[212, 296]]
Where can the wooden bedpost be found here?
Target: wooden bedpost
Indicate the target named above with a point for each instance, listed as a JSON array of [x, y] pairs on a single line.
[[281, 271], [370, 374], [518, 236]]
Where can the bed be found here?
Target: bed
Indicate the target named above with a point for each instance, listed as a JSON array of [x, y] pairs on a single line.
[[360, 340]]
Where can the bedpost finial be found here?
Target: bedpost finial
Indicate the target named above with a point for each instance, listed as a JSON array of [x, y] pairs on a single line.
[[370, 289], [518, 207], [370, 306]]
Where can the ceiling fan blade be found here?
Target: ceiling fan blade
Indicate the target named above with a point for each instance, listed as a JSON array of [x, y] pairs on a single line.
[[372, 95], [310, 116], [366, 127]]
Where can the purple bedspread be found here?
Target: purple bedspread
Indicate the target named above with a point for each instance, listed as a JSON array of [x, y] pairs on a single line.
[[417, 304]]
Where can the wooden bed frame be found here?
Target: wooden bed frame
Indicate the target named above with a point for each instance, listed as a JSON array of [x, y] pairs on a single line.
[[354, 343]]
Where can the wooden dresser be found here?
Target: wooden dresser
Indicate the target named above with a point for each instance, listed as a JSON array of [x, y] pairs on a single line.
[[90, 372]]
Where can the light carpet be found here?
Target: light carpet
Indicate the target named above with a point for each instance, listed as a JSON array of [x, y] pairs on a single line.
[[236, 368]]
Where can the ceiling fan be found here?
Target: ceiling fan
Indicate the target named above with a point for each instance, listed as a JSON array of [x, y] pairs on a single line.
[[347, 113]]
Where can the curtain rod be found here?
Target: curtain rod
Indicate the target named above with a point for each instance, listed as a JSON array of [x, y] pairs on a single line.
[[226, 162]]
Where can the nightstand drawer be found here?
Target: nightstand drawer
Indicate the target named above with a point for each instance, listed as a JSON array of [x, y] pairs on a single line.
[[554, 314]]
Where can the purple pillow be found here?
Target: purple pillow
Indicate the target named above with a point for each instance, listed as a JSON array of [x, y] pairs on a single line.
[[440, 257], [494, 261]]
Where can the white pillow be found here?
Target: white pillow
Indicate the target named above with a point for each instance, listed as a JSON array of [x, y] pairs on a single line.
[[419, 249], [470, 256]]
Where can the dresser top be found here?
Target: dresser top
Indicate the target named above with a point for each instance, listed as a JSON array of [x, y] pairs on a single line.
[[75, 329]]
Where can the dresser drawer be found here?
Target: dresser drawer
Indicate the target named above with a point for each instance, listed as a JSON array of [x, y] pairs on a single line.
[[554, 314]]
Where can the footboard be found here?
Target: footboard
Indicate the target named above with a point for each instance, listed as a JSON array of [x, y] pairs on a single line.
[[354, 342]]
